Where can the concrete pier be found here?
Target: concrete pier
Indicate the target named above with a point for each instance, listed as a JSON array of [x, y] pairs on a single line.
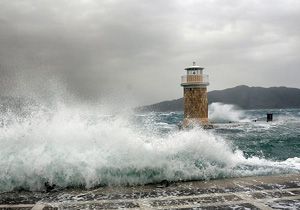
[[263, 192]]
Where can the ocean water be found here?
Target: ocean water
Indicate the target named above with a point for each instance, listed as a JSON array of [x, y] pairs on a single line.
[[86, 147]]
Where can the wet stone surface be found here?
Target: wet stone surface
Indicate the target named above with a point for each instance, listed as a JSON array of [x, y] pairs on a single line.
[[277, 192], [285, 204], [242, 206], [134, 195], [21, 197], [50, 208], [16, 208], [116, 205], [195, 201]]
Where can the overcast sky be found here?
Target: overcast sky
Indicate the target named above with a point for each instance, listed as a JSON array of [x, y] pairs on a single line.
[[138, 49]]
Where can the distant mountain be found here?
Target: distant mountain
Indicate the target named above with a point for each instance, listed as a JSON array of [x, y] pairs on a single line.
[[243, 96]]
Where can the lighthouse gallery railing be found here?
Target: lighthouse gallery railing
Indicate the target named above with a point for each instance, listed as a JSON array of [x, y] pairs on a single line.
[[195, 79]]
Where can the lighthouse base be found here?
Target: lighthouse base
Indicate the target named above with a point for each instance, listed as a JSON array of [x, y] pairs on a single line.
[[196, 122]]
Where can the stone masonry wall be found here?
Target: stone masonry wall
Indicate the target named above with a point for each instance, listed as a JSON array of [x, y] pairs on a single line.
[[195, 103]]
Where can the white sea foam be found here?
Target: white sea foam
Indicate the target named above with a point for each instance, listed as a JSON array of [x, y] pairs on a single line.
[[77, 147], [224, 113]]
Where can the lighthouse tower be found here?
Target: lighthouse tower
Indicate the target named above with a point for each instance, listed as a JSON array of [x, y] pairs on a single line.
[[194, 85]]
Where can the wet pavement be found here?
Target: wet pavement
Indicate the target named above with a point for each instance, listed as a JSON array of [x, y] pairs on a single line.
[[263, 192]]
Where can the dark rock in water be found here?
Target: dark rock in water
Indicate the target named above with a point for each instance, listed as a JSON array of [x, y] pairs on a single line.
[[208, 126], [49, 187], [163, 184], [180, 126]]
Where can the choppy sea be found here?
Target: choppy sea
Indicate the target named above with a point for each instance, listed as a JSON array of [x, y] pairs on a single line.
[[85, 147]]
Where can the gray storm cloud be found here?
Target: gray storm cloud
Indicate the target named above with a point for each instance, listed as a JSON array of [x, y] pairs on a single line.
[[138, 49]]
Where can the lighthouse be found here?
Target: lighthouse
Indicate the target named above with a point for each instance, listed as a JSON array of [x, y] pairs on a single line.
[[194, 85]]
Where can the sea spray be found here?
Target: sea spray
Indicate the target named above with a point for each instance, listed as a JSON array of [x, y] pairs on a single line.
[[224, 113], [81, 147]]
